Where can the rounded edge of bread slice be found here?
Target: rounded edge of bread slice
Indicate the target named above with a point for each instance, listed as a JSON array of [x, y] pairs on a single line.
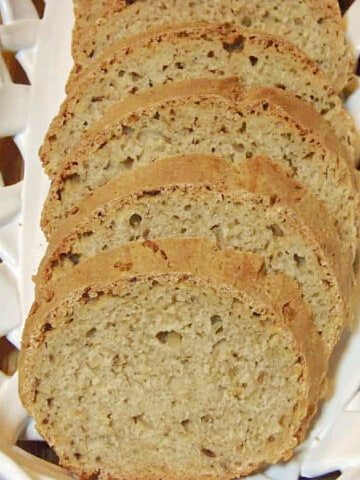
[[182, 52], [134, 132], [258, 197], [63, 332], [325, 25]]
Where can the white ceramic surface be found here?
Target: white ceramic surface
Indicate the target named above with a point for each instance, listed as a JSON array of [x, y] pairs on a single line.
[[43, 48]]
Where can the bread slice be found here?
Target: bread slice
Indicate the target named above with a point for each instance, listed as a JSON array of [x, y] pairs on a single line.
[[171, 359], [314, 27], [213, 116], [192, 51], [256, 207]]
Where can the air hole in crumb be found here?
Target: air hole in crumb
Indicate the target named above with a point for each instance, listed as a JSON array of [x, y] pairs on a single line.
[[232, 373], [282, 420], [238, 147], [273, 199], [206, 419], [243, 128], [128, 162], [135, 220], [219, 236], [356, 263], [91, 332], [74, 258], [172, 338], [300, 261], [216, 323], [246, 21], [73, 178], [135, 76], [146, 233], [137, 418], [96, 99], [215, 320], [208, 453], [253, 60], [127, 130], [276, 230], [115, 360], [162, 337], [237, 44], [185, 423]]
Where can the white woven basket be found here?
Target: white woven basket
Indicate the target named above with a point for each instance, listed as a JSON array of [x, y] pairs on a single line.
[[43, 50]]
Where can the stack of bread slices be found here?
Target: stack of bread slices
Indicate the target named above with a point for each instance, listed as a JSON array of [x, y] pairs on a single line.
[[203, 227]]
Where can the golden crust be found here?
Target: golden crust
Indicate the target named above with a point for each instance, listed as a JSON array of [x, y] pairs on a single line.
[[229, 273], [189, 31], [280, 105], [197, 262], [266, 46], [229, 88], [266, 182], [338, 69], [182, 259], [259, 176]]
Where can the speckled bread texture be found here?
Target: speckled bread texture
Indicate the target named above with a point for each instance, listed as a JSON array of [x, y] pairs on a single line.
[[134, 369], [314, 26], [192, 51], [256, 207], [211, 116], [87, 12]]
